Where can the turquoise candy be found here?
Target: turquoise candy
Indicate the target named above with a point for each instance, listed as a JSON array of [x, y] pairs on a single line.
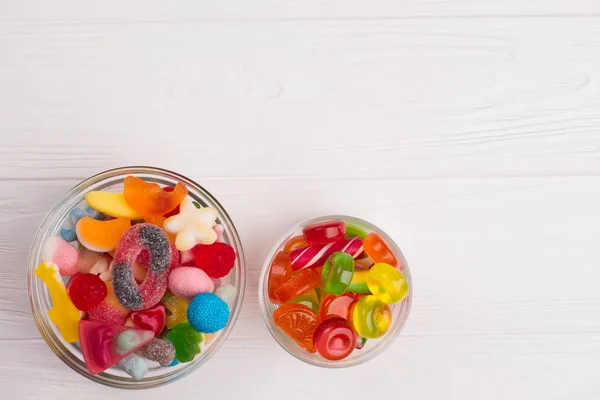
[[208, 313], [337, 273]]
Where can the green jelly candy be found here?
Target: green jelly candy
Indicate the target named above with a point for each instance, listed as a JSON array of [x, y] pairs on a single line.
[[337, 273], [309, 299], [354, 230], [358, 284], [186, 341]]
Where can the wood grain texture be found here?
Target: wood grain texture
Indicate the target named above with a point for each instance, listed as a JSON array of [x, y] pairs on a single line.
[[468, 130]]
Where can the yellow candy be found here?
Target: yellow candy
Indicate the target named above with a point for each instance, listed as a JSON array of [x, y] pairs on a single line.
[[112, 204], [371, 318], [387, 283], [176, 309], [63, 313]]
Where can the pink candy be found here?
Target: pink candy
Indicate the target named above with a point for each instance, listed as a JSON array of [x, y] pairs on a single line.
[[187, 282], [316, 255], [61, 253], [91, 262]]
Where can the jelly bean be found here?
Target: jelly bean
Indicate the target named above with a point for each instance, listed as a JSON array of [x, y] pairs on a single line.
[[354, 229], [186, 341], [378, 250], [101, 236], [187, 282], [297, 242], [309, 299], [110, 311], [299, 284], [371, 318], [387, 283], [279, 273], [358, 284], [324, 232], [137, 238], [337, 273], [92, 262], [159, 350], [62, 313], [112, 204], [105, 345], [134, 365], [152, 319], [227, 293], [298, 322], [87, 291], [315, 255], [58, 251], [149, 200], [334, 339], [176, 309], [337, 306], [207, 313], [192, 226], [68, 234], [216, 259]]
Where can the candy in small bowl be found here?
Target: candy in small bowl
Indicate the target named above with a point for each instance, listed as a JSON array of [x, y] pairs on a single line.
[[136, 277], [335, 291]]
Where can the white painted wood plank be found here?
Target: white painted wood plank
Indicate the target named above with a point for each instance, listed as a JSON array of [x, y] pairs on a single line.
[[398, 98], [505, 281], [164, 10]]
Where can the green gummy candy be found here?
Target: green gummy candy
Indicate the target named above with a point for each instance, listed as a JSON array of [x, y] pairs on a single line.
[[337, 273], [186, 341], [353, 230]]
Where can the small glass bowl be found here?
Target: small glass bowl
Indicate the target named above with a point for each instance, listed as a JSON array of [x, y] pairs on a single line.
[[373, 347], [40, 301]]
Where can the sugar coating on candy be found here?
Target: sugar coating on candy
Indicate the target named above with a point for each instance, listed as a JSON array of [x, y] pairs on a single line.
[[101, 236], [186, 341], [226, 293], [187, 282], [159, 350], [60, 252], [192, 225], [207, 313], [137, 238], [110, 311], [134, 365]]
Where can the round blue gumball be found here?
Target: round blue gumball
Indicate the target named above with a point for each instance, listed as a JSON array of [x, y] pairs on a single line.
[[207, 313]]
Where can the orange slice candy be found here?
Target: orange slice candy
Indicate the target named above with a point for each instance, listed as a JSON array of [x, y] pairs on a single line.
[[101, 236], [298, 322], [150, 200]]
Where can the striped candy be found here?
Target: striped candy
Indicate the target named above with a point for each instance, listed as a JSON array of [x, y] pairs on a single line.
[[317, 254]]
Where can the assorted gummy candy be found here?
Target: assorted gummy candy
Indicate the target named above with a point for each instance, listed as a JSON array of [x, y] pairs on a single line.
[[334, 286], [137, 277]]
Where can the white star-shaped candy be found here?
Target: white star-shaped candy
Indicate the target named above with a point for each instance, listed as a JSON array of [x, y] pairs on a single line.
[[192, 225]]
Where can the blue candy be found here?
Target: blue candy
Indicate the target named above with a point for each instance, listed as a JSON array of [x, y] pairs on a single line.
[[134, 365], [68, 234], [207, 313]]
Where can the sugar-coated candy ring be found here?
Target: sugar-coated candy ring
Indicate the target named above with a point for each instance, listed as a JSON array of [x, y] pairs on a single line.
[[315, 255], [186, 341], [337, 306], [378, 250], [150, 200], [101, 236], [387, 283], [324, 232], [334, 339], [87, 291], [279, 273], [337, 273], [62, 313], [111, 204], [371, 318], [297, 242], [298, 322], [138, 238], [299, 284], [110, 311]]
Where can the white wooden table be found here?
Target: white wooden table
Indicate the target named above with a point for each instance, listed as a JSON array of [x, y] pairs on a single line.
[[468, 129]]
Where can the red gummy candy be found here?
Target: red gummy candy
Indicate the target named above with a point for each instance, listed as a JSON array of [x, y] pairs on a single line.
[[324, 232], [87, 291], [215, 259], [152, 319]]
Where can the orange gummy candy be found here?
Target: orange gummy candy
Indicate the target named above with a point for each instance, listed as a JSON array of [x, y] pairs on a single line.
[[101, 236], [297, 242], [298, 322], [149, 200]]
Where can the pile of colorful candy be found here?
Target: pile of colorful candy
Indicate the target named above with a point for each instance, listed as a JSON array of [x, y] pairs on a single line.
[[142, 268], [333, 285]]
